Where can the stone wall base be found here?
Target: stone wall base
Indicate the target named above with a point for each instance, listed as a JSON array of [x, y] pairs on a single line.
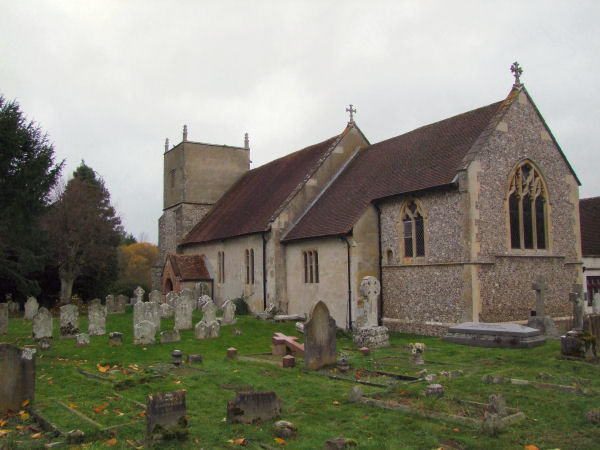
[[372, 337]]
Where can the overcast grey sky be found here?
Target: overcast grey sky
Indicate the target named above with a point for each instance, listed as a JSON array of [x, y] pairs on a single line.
[[110, 80]]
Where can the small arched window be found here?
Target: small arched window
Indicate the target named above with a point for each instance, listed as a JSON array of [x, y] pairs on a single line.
[[527, 209], [413, 226]]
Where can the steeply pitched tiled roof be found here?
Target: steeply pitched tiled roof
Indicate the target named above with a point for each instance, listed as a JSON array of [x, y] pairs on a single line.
[[425, 158], [589, 217], [189, 267], [250, 205]]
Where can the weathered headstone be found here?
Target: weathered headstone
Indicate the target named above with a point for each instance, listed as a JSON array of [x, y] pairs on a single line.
[[155, 296], [166, 311], [188, 296], [183, 314], [121, 304], [367, 308], [13, 307], [209, 312], [82, 340], [319, 338], [111, 304], [144, 333], [169, 336], [228, 313], [31, 308], [42, 324], [203, 300], [146, 311], [165, 411], [138, 293], [17, 377], [207, 330], [69, 321], [247, 407], [172, 298], [95, 302], [96, 320], [578, 307], [3, 318]]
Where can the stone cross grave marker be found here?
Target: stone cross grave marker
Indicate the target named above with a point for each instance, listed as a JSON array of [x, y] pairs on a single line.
[[155, 296], [69, 321], [138, 293], [165, 409], [31, 308], [540, 288], [319, 338], [17, 377], [144, 333], [228, 313], [3, 318], [369, 289], [96, 319], [183, 314], [42, 324]]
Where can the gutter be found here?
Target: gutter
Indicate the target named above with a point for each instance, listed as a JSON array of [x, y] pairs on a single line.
[[264, 269], [380, 306]]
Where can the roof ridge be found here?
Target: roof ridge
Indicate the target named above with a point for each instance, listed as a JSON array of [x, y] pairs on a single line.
[[308, 176]]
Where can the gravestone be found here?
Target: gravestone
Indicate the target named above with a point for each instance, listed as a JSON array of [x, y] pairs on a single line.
[[203, 300], [207, 330], [540, 321], [111, 304], [209, 312], [319, 338], [96, 319], [165, 410], [183, 314], [171, 298], [596, 303], [187, 295], [121, 304], [82, 340], [367, 305], [95, 302], [69, 321], [17, 377], [13, 307], [497, 335], [31, 308], [169, 336], [578, 306], [138, 294], [228, 313], [146, 311], [144, 333], [166, 311], [248, 407], [3, 318], [115, 339], [155, 296], [42, 325], [540, 287]]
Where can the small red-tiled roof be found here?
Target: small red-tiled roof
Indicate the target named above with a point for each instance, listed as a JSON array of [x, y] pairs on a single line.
[[189, 267], [250, 205], [425, 158], [589, 218]]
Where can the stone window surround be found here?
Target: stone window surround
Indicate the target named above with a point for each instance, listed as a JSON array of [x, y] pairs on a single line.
[[249, 265], [402, 250], [522, 251], [310, 260], [221, 267]]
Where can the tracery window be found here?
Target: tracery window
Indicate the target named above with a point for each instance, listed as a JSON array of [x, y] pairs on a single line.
[[527, 206], [413, 226]]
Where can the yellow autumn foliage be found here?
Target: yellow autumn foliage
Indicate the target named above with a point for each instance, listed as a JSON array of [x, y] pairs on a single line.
[[136, 261]]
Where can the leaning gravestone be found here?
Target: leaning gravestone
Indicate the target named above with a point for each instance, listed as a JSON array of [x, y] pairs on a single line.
[[31, 308], [164, 412], [42, 325], [3, 318], [147, 311], [17, 377], [96, 320], [228, 313], [319, 338], [155, 296], [166, 311], [183, 314], [144, 333], [69, 321]]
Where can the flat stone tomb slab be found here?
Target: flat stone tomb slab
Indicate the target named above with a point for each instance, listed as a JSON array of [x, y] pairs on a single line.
[[499, 335]]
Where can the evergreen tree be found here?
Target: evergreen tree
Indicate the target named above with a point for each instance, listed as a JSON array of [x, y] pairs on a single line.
[[27, 175]]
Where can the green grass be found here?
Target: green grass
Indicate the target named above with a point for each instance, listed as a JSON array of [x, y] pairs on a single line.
[[555, 419]]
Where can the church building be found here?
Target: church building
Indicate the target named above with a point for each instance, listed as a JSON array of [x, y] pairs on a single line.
[[456, 219]]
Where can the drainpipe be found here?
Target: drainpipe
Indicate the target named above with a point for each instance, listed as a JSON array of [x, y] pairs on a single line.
[[349, 285], [264, 264], [380, 309]]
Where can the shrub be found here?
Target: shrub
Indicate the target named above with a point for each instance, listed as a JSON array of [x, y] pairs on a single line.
[[241, 306]]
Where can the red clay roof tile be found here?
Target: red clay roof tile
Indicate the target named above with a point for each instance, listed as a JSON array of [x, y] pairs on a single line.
[[189, 267]]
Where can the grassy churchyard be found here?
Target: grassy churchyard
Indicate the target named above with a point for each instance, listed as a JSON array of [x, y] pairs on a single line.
[[102, 391]]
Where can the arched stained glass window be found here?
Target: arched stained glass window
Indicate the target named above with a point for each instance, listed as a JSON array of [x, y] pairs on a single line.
[[413, 226]]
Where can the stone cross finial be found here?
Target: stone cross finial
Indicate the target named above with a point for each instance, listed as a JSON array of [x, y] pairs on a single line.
[[184, 133], [166, 144], [539, 287], [517, 72], [351, 111], [246, 142]]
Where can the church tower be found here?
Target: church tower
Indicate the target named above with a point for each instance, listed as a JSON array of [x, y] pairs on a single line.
[[195, 176]]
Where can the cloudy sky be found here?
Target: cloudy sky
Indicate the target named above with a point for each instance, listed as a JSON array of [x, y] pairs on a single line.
[[110, 80]]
